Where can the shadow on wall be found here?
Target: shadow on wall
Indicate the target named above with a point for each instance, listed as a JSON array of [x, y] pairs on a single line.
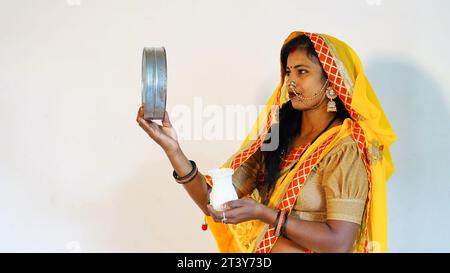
[[418, 191]]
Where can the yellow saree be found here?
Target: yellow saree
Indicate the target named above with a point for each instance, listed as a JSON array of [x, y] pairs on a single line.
[[368, 126]]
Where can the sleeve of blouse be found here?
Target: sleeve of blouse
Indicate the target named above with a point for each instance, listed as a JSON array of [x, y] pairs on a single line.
[[345, 183], [244, 177]]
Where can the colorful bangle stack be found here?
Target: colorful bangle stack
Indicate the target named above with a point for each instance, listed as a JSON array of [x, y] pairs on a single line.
[[187, 178], [280, 223]]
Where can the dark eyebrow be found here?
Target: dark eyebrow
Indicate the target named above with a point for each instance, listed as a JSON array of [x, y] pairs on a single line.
[[298, 65]]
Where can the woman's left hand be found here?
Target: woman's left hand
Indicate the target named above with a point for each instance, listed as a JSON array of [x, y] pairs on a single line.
[[237, 211]]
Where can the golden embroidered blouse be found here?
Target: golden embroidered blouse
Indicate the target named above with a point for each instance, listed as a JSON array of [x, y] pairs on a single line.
[[336, 188]]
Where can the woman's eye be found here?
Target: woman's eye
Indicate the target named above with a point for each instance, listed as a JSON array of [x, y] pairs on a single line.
[[301, 71], [288, 72]]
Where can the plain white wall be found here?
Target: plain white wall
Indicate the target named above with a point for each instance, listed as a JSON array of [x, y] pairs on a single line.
[[78, 174]]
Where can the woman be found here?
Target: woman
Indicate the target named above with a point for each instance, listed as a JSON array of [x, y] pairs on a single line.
[[322, 188]]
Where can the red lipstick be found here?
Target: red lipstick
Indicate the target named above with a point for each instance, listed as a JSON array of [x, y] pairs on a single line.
[[291, 95]]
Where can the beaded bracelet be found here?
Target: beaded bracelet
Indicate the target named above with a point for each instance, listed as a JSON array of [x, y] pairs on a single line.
[[187, 178]]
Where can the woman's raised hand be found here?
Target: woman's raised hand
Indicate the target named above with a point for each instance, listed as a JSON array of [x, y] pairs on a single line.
[[165, 135]]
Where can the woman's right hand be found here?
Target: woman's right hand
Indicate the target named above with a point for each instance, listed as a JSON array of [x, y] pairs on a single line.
[[165, 135]]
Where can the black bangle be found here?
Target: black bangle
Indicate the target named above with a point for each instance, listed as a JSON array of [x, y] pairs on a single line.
[[192, 173], [189, 179], [175, 175], [283, 230]]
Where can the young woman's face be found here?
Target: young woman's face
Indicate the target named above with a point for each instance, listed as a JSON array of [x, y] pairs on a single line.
[[307, 74]]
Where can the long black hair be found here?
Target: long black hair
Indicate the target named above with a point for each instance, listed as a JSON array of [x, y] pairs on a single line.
[[290, 122]]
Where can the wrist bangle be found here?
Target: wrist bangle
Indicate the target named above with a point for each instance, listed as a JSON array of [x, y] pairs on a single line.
[[283, 229], [280, 223], [276, 220], [187, 178]]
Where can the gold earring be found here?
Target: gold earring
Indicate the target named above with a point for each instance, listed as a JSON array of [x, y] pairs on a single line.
[[331, 94]]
